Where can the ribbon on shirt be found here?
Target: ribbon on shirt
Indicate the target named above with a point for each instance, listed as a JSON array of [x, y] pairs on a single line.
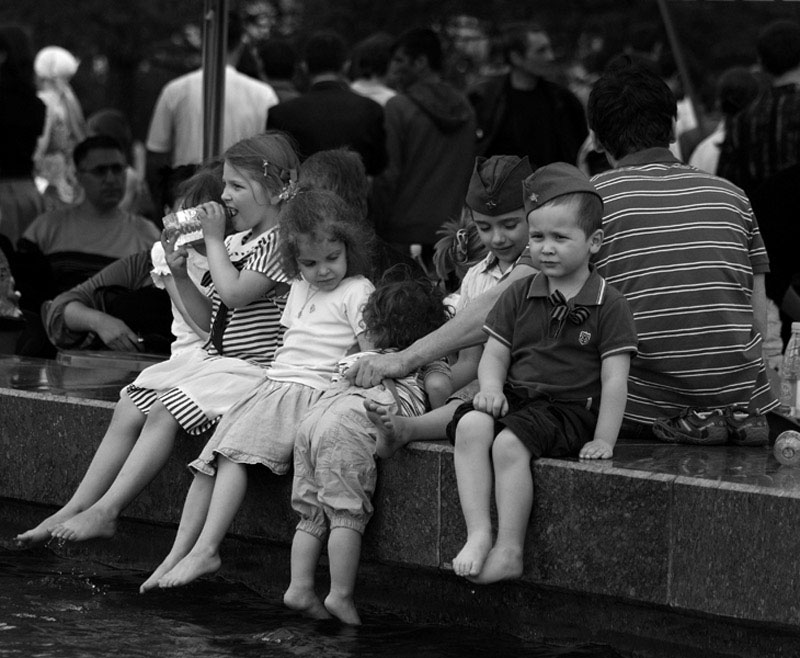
[[561, 310], [218, 327]]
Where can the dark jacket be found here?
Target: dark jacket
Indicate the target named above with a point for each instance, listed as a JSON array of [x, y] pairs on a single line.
[[430, 131], [329, 115]]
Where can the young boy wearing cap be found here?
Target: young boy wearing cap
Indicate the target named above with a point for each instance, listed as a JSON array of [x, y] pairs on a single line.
[[553, 375], [494, 204]]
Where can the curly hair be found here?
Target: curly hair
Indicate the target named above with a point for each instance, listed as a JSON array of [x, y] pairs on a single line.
[[322, 215], [403, 308]]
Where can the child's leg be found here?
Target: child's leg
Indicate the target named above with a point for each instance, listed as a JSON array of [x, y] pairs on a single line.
[[344, 553], [111, 454], [513, 485], [474, 436], [145, 460], [229, 489], [193, 517], [301, 595], [394, 432]]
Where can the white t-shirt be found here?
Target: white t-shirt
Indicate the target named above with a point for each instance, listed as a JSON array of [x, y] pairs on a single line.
[[177, 122], [321, 329]]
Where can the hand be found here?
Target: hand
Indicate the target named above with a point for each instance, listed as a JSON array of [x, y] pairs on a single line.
[[371, 369], [212, 217], [176, 258], [117, 335], [491, 402], [596, 449]]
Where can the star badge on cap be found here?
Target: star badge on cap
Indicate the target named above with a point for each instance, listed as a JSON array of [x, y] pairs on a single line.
[[491, 204], [533, 197]]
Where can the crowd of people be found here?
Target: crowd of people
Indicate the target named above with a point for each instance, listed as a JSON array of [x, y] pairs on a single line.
[[384, 258]]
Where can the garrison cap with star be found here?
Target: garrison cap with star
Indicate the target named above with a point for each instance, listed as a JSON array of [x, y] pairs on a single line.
[[552, 181], [494, 186]]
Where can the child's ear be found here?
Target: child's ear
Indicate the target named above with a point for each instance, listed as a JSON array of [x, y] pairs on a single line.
[[595, 241]]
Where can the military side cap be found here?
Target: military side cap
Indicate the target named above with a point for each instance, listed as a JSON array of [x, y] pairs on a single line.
[[494, 186], [552, 181]]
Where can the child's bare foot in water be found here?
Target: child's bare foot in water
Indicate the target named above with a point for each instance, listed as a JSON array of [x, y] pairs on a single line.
[[42, 533], [343, 608], [502, 563], [306, 602], [471, 557], [161, 570], [92, 523], [190, 568], [392, 429]]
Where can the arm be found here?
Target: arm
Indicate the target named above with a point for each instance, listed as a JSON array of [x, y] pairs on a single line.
[[192, 299], [174, 295], [492, 372], [465, 369], [464, 330], [759, 302], [235, 288], [614, 381], [114, 333]]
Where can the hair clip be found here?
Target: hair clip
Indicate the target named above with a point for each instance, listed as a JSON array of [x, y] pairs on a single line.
[[264, 165], [461, 246], [289, 191]]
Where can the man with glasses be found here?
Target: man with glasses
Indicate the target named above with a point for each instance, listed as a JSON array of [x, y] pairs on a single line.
[[64, 247]]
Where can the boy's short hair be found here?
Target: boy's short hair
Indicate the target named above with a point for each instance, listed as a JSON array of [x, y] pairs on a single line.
[[278, 58], [588, 210], [95, 143], [630, 109], [342, 172], [778, 46], [325, 52], [421, 41], [494, 186]]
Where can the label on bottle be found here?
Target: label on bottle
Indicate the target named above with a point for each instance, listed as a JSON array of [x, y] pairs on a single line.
[[790, 397]]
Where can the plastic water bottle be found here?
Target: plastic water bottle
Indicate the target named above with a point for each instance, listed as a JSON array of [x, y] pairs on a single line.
[[787, 448], [790, 373]]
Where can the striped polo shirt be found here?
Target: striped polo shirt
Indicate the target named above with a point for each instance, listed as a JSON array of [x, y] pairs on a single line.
[[252, 332], [682, 246]]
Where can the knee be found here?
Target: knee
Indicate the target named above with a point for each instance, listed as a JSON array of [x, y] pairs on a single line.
[[507, 448]]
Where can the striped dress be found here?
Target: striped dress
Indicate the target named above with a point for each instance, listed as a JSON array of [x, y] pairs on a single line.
[[683, 246], [198, 386]]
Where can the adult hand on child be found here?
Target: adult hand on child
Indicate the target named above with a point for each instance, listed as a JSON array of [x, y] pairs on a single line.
[[371, 369], [491, 402], [596, 449]]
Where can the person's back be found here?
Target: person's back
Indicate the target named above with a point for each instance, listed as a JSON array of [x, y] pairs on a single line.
[[431, 141], [684, 248], [765, 137], [330, 115]]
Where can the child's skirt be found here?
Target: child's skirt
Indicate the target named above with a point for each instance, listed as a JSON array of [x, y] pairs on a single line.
[[261, 428], [195, 387]]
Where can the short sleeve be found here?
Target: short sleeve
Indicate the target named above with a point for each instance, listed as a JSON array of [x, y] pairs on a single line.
[[354, 301], [617, 327]]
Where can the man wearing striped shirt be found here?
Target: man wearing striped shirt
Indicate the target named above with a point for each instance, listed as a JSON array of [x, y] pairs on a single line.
[[684, 248]]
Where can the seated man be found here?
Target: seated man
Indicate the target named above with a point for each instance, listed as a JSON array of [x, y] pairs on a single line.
[[64, 247]]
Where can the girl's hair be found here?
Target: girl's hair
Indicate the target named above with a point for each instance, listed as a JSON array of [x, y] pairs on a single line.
[[204, 185], [403, 308], [321, 215], [459, 248], [339, 170], [269, 158]]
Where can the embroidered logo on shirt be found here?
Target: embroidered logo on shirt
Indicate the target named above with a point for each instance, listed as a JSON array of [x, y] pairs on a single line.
[[584, 337]]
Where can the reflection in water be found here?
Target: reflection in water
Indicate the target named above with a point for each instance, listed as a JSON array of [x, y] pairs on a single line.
[[55, 608]]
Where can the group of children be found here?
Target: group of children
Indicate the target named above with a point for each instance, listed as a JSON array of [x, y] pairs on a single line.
[[291, 304]]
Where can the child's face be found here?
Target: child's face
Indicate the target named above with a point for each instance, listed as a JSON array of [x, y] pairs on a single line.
[[246, 199], [504, 235], [322, 263], [559, 247]]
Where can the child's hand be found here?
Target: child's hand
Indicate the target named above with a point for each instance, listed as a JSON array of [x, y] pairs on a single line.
[[175, 257], [596, 449], [212, 217], [491, 402]]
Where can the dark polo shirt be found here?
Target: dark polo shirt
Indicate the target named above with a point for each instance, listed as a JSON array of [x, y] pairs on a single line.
[[560, 359]]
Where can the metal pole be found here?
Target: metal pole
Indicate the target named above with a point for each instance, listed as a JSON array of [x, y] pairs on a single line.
[[215, 48]]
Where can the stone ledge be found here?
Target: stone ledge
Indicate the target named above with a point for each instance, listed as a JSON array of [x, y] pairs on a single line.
[[660, 531]]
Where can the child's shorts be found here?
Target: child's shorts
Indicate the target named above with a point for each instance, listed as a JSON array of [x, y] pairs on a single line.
[[334, 462], [261, 428], [548, 428]]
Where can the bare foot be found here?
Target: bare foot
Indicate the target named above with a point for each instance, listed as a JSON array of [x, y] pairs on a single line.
[[343, 608], [92, 523], [502, 563], [41, 533], [161, 570], [392, 434], [190, 568], [306, 602], [470, 558]]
